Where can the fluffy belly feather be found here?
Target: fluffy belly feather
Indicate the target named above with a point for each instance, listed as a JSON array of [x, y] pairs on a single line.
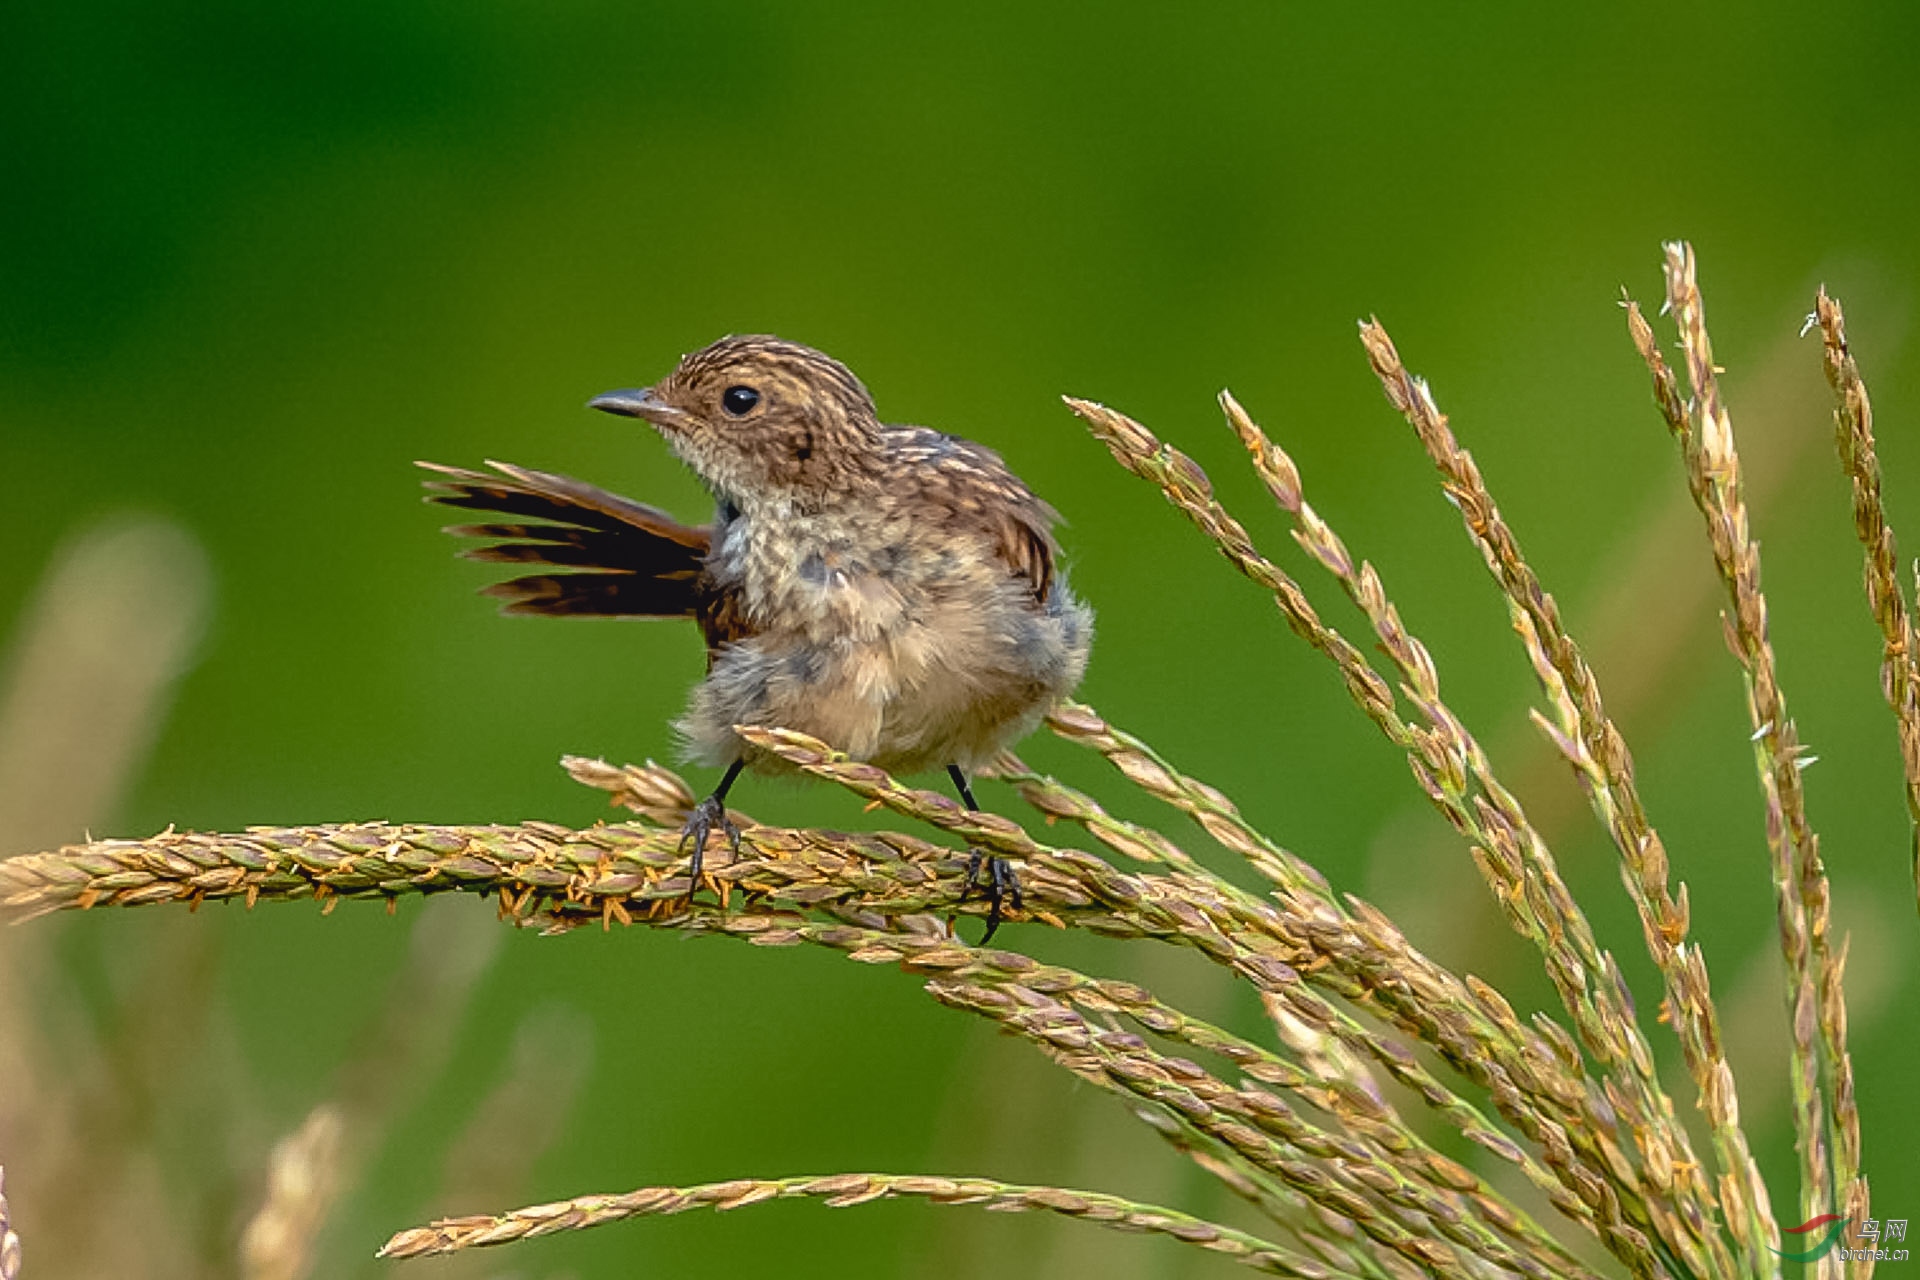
[[952, 688]]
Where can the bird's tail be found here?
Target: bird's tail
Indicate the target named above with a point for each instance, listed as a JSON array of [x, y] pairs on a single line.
[[628, 559]]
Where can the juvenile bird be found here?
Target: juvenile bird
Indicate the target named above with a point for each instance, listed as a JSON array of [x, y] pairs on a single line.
[[892, 590]]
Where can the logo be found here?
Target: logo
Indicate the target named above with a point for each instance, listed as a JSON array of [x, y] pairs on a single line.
[[1825, 1246], [1831, 1231]]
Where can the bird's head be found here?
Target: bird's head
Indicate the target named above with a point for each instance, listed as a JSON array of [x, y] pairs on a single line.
[[759, 419]]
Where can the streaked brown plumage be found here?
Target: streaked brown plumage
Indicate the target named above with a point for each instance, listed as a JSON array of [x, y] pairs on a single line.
[[890, 589]]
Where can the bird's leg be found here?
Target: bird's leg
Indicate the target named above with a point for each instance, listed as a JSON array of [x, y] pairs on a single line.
[[708, 814], [1002, 885]]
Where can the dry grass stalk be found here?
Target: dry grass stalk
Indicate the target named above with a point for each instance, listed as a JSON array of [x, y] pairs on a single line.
[[524, 866], [1337, 1044], [1316, 1029], [9, 1242], [1379, 1157], [90, 670], [1455, 776], [302, 1181], [112, 626], [555, 876], [653, 791], [1535, 1080], [562, 879], [1825, 1118], [1853, 435], [1900, 682], [1216, 814], [645, 788], [1593, 745], [1337, 1174], [841, 1190], [1004, 986]]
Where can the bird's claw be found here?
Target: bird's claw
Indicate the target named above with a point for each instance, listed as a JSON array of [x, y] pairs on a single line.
[[1001, 886], [708, 814]]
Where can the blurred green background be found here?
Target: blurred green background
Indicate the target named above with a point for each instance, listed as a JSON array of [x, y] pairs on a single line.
[[254, 260]]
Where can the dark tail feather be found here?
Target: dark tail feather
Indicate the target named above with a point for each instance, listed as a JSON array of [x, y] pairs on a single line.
[[637, 560]]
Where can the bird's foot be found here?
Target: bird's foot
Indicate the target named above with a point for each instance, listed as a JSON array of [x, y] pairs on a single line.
[[1001, 885], [708, 814]]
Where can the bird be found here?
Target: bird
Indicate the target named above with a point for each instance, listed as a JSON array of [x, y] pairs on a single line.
[[893, 590]]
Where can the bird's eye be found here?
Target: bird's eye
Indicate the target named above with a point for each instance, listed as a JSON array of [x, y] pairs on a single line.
[[739, 401]]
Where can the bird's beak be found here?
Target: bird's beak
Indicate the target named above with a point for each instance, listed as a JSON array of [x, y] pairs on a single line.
[[641, 403]]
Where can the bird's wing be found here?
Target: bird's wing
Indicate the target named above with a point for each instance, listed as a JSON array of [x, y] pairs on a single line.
[[633, 560], [1028, 550], [976, 489]]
